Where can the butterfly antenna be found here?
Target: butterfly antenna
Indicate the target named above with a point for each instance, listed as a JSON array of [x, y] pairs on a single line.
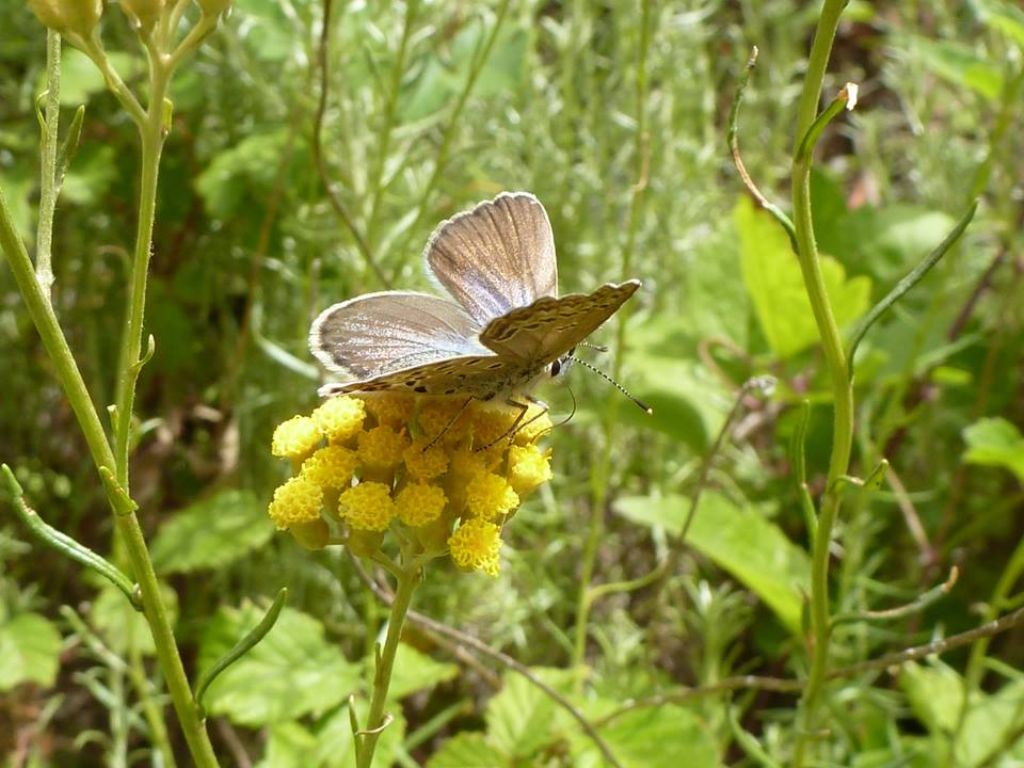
[[640, 403]]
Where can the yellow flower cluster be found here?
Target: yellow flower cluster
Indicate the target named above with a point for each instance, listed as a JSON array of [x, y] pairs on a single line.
[[444, 474]]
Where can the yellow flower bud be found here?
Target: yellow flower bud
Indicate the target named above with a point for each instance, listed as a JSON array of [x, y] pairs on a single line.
[[367, 507], [425, 463], [340, 418], [528, 468], [489, 496], [475, 545], [382, 447], [392, 408], [419, 504], [297, 501], [78, 17], [331, 467], [296, 438]]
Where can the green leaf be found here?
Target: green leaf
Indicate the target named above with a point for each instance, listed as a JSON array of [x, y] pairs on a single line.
[[773, 279], [740, 540], [995, 443], [29, 651], [958, 65], [212, 533], [328, 743], [887, 241], [468, 750], [415, 671], [935, 693], [521, 717], [665, 737], [292, 672]]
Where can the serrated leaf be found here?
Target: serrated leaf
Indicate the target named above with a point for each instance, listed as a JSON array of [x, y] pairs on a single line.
[[740, 540], [467, 750], [774, 281], [29, 651], [415, 671], [212, 533], [292, 672], [521, 717], [328, 743], [665, 737]]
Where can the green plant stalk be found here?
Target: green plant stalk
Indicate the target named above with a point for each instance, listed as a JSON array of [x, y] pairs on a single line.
[[408, 579], [600, 477], [48, 172], [835, 358]]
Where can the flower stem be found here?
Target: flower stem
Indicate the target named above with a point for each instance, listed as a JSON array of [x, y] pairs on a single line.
[[366, 741], [835, 358], [48, 175]]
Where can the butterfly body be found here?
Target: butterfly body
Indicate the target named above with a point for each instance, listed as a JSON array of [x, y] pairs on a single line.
[[508, 329]]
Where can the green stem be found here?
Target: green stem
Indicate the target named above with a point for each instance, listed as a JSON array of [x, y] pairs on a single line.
[[366, 741], [48, 172], [835, 358]]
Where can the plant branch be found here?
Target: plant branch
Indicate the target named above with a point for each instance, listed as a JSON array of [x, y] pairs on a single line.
[[732, 136]]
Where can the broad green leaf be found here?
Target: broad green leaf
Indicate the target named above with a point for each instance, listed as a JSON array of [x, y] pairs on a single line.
[[468, 750], [29, 651], [935, 693], [666, 737], [958, 65], [328, 743], [773, 279], [890, 241], [995, 443], [415, 671], [123, 627], [521, 717], [740, 540], [292, 672], [212, 533]]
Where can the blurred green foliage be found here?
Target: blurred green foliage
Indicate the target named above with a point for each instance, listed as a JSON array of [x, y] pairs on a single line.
[[430, 107]]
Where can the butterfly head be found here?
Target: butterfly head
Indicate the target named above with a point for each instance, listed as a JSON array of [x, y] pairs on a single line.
[[561, 364]]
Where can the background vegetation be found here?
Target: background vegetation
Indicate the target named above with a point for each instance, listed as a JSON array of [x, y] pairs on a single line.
[[615, 115]]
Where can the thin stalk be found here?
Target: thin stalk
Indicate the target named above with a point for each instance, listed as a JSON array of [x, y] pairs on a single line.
[[48, 171], [408, 579], [599, 494], [131, 343], [835, 358]]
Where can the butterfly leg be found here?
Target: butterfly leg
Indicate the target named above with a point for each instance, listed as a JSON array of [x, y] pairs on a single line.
[[518, 424], [449, 425]]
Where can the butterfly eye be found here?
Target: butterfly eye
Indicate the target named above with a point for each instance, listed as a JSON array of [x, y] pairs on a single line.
[[555, 368]]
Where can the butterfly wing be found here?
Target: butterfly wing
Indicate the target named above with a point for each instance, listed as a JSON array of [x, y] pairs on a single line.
[[384, 333], [549, 327], [496, 257], [478, 376]]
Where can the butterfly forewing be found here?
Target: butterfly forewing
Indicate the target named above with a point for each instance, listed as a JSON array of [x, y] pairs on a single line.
[[496, 257], [383, 333], [550, 327]]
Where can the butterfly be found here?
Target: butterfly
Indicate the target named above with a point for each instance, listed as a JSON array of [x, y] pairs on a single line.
[[506, 328]]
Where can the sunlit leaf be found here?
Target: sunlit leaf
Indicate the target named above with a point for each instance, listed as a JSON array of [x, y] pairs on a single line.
[[468, 750], [212, 533], [123, 627], [958, 64], [995, 443], [29, 651], [1006, 17], [774, 281], [293, 671], [740, 540], [415, 671]]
